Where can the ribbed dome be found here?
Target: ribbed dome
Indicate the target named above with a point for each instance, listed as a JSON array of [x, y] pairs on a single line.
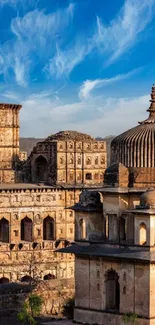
[[136, 147], [147, 199]]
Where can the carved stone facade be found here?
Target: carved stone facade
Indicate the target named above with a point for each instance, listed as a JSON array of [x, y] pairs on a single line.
[[34, 221], [36, 218], [115, 245], [68, 157]]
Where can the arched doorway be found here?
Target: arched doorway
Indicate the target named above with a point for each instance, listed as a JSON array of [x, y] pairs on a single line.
[[142, 234], [112, 291], [26, 229], [48, 228], [122, 229], [26, 278], [4, 280], [4, 230], [41, 169], [49, 276]]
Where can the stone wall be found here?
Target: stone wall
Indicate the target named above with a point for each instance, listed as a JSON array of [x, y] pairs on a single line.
[[36, 257], [90, 275], [54, 293]]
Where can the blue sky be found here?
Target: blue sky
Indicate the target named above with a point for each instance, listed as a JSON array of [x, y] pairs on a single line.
[[85, 65]]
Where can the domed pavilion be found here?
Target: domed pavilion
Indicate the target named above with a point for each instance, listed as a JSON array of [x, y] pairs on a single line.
[[136, 147], [115, 258]]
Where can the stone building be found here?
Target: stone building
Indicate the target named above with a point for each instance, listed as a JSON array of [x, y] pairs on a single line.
[[115, 243], [36, 216], [68, 157]]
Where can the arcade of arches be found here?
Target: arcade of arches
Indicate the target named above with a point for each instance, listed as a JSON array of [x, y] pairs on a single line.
[[26, 229]]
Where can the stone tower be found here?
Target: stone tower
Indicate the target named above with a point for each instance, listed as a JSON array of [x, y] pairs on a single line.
[[9, 141]]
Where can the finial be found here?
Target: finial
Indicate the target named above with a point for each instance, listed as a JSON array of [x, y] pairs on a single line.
[[151, 109]]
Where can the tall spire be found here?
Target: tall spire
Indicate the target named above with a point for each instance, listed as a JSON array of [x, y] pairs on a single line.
[[151, 109]]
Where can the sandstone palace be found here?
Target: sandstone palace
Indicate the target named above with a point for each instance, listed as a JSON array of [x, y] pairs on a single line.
[[115, 258], [36, 200]]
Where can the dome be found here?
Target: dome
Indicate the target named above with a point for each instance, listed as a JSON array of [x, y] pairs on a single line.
[[69, 135], [147, 199], [136, 147], [89, 198]]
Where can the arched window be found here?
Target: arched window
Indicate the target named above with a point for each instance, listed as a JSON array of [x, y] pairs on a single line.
[[78, 176], [79, 161], [48, 228], [96, 176], [142, 234], [26, 278], [112, 291], [89, 176], [4, 230], [26, 229], [88, 162], [41, 169], [96, 161], [71, 177], [103, 160], [4, 280], [83, 229], [49, 276], [122, 229]]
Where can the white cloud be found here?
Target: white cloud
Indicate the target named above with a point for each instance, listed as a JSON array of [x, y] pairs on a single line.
[[38, 28], [17, 3], [64, 62], [43, 114], [115, 115], [34, 41], [111, 40], [11, 95], [124, 29], [89, 85]]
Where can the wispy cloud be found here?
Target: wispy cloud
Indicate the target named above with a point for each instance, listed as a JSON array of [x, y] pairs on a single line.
[[89, 85], [65, 61], [111, 41], [17, 3], [123, 31], [34, 40]]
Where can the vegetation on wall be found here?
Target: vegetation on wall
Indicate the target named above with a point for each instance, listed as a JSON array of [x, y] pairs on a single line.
[[68, 308], [130, 318]]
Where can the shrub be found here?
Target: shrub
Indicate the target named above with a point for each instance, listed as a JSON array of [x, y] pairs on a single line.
[[68, 308], [131, 318], [30, 309]]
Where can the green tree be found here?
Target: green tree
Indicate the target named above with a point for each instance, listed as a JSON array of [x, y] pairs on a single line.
[[31, 308]]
